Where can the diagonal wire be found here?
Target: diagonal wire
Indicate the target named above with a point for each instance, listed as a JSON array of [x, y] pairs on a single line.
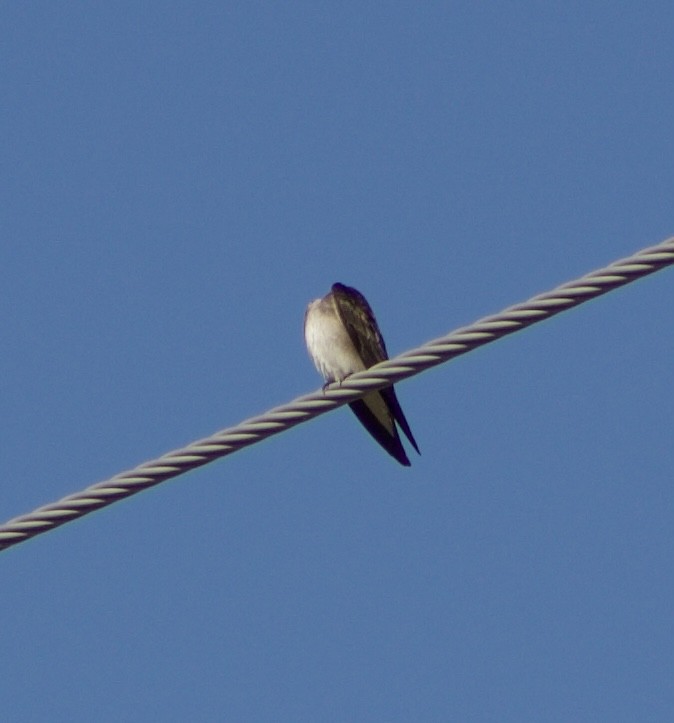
[[307, 407]]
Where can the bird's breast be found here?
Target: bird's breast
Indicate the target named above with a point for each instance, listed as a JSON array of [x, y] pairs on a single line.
[[329, 343]]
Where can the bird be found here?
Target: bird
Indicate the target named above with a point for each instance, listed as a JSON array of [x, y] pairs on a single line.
[[343, 337]]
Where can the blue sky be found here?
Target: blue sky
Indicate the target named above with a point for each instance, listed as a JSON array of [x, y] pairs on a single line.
[[179, 181]]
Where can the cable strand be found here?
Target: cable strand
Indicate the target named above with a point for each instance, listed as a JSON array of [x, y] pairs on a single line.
[[253, 430]]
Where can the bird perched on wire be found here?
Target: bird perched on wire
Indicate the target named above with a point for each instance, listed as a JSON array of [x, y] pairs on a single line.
[[342, 337]]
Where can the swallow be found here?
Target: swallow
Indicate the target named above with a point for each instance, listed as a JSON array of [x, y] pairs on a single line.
[[343, 337]]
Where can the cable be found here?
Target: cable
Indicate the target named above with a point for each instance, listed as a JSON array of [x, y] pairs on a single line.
[[312, 405]]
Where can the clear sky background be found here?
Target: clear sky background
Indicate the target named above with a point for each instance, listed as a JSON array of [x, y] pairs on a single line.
[[178, 181]]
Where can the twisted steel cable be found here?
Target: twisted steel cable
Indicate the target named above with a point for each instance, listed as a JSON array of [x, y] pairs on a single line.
[[307, 407]]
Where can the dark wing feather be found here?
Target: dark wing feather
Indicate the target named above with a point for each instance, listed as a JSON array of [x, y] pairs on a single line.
[[389, 395], [361, 325], [391, 443], [357, 317]]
